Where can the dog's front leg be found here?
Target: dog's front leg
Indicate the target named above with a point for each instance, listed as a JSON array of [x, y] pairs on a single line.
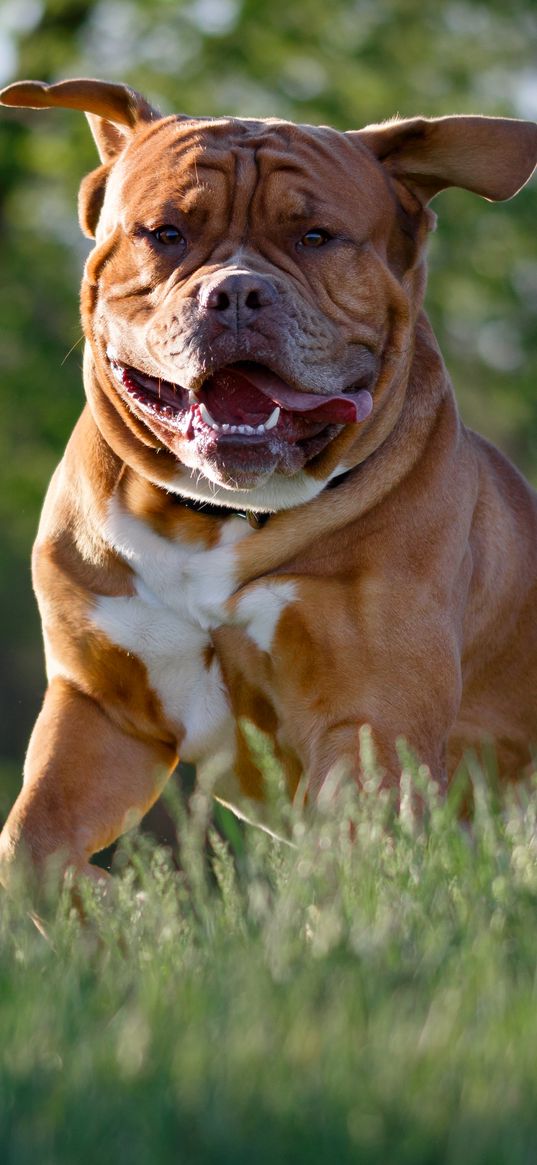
[[393, 667], [338, 750], [87, 780]]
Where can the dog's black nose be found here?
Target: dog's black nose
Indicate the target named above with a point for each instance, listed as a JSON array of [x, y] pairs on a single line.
[[237, 296]]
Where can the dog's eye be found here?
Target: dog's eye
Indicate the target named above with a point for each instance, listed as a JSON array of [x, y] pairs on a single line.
[[315, 238], [168, 236]]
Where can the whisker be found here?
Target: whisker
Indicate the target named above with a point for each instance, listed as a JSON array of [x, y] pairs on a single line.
[[75, 345]]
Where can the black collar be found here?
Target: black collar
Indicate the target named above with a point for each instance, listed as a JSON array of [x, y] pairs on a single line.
[[254, 518]]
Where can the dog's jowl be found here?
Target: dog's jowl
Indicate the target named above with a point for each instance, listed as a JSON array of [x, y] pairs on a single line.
[[269, 510]]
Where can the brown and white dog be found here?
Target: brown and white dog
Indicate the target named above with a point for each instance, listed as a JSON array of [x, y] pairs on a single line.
[[256, 345]]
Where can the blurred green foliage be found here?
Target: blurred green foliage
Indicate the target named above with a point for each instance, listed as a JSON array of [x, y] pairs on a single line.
[[347, 63]]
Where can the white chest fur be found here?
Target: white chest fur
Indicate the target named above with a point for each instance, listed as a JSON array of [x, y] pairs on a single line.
[[181, 592]]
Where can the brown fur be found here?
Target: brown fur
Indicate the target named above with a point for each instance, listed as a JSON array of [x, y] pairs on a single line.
[[414, 578]]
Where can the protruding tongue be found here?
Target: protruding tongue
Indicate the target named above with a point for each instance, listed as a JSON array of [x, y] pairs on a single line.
[[237, 389]]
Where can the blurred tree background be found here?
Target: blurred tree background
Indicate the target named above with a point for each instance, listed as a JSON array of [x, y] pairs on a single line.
[[346, 63]]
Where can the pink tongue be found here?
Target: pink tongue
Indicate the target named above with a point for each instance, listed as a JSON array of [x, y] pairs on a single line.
[[239, 386]]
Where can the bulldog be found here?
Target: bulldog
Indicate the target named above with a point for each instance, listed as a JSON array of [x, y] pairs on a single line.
[[269, 512]]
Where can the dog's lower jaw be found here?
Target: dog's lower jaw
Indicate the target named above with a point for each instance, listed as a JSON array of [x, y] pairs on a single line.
[[232, 462], [252, 437], [242, 461], [244, 465]]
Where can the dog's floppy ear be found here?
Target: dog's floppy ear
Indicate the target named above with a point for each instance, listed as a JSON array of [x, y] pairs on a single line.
[[492, 156], [114, 111]]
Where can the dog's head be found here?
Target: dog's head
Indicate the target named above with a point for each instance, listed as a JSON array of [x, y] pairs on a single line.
[[251, 298]]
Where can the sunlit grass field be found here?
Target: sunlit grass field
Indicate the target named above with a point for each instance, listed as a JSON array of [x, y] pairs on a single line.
[[363, 989]]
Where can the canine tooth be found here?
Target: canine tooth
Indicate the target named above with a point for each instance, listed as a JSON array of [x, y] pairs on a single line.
[[273, 419], [206, 416]]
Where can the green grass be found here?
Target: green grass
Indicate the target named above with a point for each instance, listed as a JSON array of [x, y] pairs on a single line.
[[369, 1001]]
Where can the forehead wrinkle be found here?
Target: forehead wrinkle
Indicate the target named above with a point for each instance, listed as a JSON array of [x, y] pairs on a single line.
[[246, 179], [209, 136], [283, 204], [322, 153], [214, 144], [294, 209], [282, 139], [237, 160]]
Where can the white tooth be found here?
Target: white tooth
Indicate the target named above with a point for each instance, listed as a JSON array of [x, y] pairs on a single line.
[[223, 427], [206, 416], [208, 419], [273, 419]]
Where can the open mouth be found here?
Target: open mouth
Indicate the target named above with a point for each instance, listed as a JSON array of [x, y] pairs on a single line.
[[243, 401]]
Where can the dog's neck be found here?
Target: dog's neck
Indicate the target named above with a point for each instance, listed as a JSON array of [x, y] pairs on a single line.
[[209, 510], [256, 519]]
